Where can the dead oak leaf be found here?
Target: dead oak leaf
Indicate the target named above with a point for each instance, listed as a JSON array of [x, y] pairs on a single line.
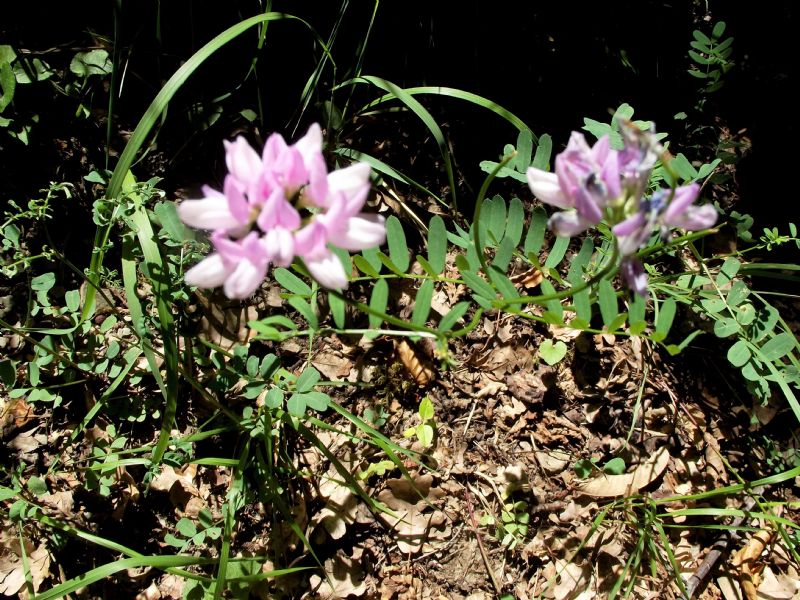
[[344, 578], [414, 519], [12, 570], [340, 510], [332, 365]]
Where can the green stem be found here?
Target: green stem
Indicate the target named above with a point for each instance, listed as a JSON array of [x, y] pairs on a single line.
[[602, 274], [388, 318]]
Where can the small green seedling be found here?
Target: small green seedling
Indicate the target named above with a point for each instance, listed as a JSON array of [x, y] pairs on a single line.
[[512, 527], [194, 533], [426, 429]]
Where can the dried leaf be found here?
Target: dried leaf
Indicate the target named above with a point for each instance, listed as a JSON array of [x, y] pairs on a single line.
[[528, 279], [12, 572], [14, 414], [417, 365], [552, 461], [332, 365], [573, 579], [345, 578], [341, 509], [164, 481], [414, 518], [607, 486]]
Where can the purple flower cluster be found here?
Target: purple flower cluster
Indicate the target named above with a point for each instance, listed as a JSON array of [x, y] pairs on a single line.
[[600, 183], [277, 206]]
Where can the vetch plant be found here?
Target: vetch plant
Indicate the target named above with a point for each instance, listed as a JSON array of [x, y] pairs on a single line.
[[278, 206]]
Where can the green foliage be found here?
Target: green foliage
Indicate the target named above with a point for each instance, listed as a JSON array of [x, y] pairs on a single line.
[[523, 156], [141, 364], [511, 528], [190, 533], [425, 431], [711, 57], [552, 352], [763, 348]]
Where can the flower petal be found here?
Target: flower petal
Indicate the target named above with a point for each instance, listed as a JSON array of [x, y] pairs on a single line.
[[349, 180], [631, 233], [237, 202], [209, 273], [316, 192], [545, 187], [634, 275], [243, 162], [310, 240], [588, 201], [310, 145], [327, 269], [279, 245], [211, 212], [360, 232], [682, 199], [568, 223], [601, 149], [696, 217], [244, 280]]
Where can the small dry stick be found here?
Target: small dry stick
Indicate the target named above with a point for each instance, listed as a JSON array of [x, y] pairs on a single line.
[[474, 526], [719, 547]]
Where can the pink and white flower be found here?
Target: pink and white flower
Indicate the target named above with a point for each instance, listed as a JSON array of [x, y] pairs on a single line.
[[278, 206], [599, 183]]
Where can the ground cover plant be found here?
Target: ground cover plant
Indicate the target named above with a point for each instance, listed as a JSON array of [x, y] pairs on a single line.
[[289, 345]]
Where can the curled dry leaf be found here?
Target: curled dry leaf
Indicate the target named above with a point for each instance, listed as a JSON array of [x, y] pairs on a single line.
[[340, 510], [164, 481], [414, 519], [332, 365], [14, 414], [345, 578], [417, 365], [528, 279], [748, 560], [572, 580], [12, 570], [552, 461], [607, 486]]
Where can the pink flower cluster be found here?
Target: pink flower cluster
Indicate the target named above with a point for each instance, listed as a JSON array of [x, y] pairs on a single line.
[[277, 206], [599, 183]]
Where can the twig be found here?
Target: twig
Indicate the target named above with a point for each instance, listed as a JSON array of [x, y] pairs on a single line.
[[718, 548], [474, 526]]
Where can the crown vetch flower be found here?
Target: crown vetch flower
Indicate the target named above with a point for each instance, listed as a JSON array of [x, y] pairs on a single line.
[[601, 183], [633, 273], [239, 266], [279, 205], [586, 180], [659, 212]]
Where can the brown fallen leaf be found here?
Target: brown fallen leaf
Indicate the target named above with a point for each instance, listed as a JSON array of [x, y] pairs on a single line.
[[414, 521], [417, 365], [528, 279], [332, 365], [552, 461], [14, 414], [747, 560], [340, 510], [345, 578], [607, 486], [12, 570]]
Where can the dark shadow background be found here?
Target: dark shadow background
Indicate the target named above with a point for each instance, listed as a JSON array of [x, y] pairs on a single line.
[[550, 63]]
